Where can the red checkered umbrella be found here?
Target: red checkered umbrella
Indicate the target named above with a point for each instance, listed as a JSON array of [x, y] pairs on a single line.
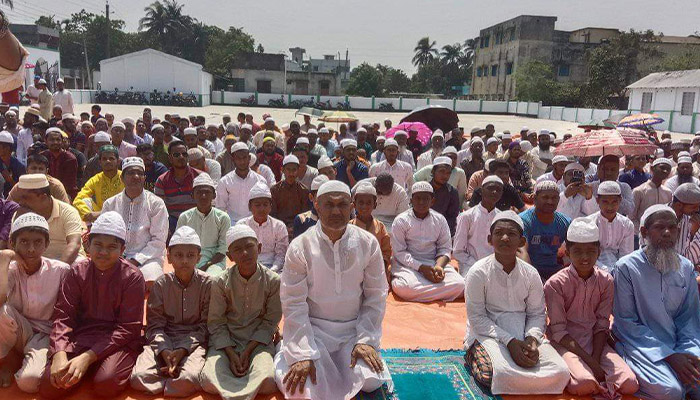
[[618, 142]]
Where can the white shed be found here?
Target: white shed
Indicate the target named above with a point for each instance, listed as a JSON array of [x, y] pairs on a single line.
[[150, 69], [674, 95]]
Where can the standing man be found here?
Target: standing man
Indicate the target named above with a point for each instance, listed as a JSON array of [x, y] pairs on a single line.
[[62, 164], [45, 100], [25, 138], [332, 328], [542, 155], [63, 97]]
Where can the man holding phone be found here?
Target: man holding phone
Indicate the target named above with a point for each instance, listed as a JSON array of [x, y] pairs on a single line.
[[576, 198]]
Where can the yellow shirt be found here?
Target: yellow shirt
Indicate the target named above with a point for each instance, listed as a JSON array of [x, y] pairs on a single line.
[[96, 190], [63, 222]]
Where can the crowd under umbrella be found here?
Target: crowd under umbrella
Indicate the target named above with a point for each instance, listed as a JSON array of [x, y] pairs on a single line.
[[602, 142], [434, 117], [424, 133]]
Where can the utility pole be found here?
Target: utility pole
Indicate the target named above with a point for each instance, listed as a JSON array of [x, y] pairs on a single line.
[[109, 29], [87, 65]]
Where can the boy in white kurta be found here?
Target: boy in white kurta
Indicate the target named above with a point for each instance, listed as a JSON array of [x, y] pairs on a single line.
[[616, 230], [505, 343], [422, 245], [29, 285], [333, 297]]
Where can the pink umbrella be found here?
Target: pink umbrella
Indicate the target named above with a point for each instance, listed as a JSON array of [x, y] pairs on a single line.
[[424, 133], [619, 142]]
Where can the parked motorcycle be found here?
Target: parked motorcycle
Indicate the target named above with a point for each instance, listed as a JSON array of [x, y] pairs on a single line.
[[249, 101], [386, 107], [345, 105], [277, 103]]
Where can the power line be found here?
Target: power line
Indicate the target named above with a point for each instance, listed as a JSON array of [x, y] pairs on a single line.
[[32, 10]]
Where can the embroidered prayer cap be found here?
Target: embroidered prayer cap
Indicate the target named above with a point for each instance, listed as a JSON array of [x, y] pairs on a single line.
[[108, 148], [348, 143], [476, 140], [381, 139], [194, 154], [688, 193], [238, 232], [269, 119], [506, 136], [318, 181], [239, 146], [583, 230], [685, 160], [543, 132], [491, 179], [365, 188], [525, 146], [290, 159], [662, 160], [157, 126], [67, 116], [391, 142], [303, 140], [185, 235], [442, 160], [128, 120], [33, 181], [447, 150], [133, 162], [438, 133], [189, 132], [422, 186], [109, 223], [491, 141], [558, 159], [27, 220], [546, 185], [658, 153], [259, 191], [6, 137], [203, 179], [324, 162], [656, 208], [362, 129], [117, 124], [574, 166], [312, 130], [400, 133], [524, 129], [508, 215], [333, 187], [323, 130], [476, 129], [609, 188], [248, 127], [102, 137]]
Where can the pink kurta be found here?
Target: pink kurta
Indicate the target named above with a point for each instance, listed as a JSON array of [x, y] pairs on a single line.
[[581, 308]]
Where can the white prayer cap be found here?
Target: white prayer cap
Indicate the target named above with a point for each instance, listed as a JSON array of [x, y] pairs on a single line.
[[583, 230], [117, 124], [42, 81], [609, 188], [362, 129], [239, 146], [324, 162], [491, 179], [499, 135], [226, 115], [6, 137], [269, 119], [447, 150], [658, 153], [185, 235], [574, 166], [391, 142], [189, 131], [88, 123], [439, 133], [365, 188], [303, 140], [685, 160], [506, 136], [653, 210], [247, 127], [259, 191], [63, 116], [59, 80], [477, 140], [133, 162], [333, 187], [558, 159], [318, 181], [157, 126], [543, 132], [109, 223], [323, 130], [688, 193], [212, 126], [239, 231], [552, 137], [102, 137], [312, 130], [381, 139], [524, 129], [491, 141], [525, 146], [476, 129], [508, 215], [203, 179], [442, 160], [546, 185], [27, 220], [194, 154], [128, 120], [348, 143], [683, 154], [422, 187], [400, 133], [662, 160], [54, 129], [191, 116], [33, 181], [290, 159]]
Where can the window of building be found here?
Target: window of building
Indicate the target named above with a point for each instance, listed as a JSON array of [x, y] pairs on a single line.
[[238, 85], [646, 102], [478, 71], [509, 68], [512, 33], [301, 87], [688, 103], [264, 86], [486, 40], [563, 70], [315, 68], [325, 88], [494, 70]]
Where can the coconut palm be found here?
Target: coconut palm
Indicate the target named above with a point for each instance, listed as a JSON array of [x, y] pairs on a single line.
[[425, 52], [164, 22], [451, 53], [8, 3], [468, 50]]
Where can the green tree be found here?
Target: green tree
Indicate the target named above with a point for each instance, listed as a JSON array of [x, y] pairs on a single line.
[[166, 23], [393, 80], [451, 53], [49, 22], [679, 62], [223, 47], [365, 80], [425, 52], [535, 82], [260, 48]]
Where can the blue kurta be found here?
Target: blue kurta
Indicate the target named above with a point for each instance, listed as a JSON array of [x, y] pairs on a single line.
[[655, 316]]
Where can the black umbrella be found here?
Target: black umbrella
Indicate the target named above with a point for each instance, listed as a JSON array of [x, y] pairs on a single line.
[[435, 117]]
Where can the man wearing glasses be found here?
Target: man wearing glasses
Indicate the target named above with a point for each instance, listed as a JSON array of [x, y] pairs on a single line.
[[175, 186]]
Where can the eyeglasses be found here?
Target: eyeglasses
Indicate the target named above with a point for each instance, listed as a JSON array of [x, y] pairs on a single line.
[[178, 155]]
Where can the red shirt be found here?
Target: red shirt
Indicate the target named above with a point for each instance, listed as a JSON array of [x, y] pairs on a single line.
[[64, 167], [274, 162]]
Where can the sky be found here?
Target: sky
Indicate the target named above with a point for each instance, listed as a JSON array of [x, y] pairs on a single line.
[[380, 31]]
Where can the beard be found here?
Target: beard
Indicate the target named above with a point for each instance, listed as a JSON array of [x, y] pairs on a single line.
[[663, 259], [544, 147], [685, 179]]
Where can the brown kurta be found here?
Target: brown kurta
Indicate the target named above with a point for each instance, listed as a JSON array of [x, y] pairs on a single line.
[[289, 200], [378, 229]]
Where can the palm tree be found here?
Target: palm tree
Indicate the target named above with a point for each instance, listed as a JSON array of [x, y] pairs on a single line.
[[451, 53], [425, 52], [164, 22], [9, 3], [468, 50]]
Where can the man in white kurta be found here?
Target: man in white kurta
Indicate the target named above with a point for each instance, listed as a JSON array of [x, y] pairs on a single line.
[[400, 170], [420, 238], [333, 295], [233, 189], [437, 142], [471, 241], [616, 230], [146, 219], [509, 306], [575, 198]]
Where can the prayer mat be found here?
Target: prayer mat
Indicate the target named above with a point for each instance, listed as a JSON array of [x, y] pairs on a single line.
[[429, 375]]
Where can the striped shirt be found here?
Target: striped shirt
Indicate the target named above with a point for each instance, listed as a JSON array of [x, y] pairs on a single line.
[[177, 195]]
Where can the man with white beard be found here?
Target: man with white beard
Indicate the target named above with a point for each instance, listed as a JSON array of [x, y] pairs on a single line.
[[657, 312]]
